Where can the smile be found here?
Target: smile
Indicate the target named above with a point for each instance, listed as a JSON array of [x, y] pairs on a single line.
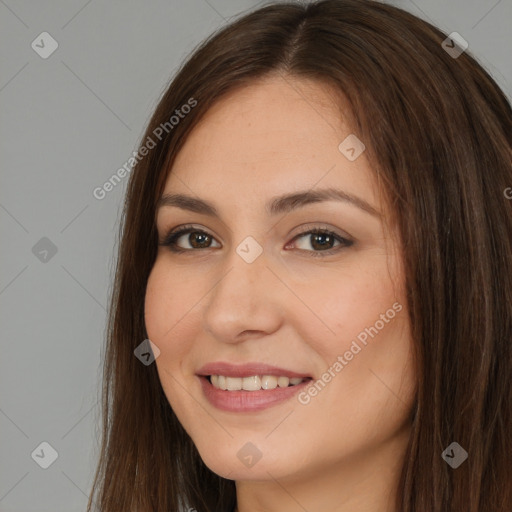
[[242, 400]]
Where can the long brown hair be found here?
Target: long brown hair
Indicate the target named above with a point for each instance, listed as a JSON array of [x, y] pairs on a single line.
[[438, 133]]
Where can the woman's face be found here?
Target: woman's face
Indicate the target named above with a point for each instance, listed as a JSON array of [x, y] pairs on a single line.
[[253, 293]]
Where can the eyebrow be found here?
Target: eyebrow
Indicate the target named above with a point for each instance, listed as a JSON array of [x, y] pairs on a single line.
[[277, 205]]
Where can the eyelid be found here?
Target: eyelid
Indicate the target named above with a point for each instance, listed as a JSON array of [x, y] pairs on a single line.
[[304, 229], [345, 241], [321, 226], [182, 230]]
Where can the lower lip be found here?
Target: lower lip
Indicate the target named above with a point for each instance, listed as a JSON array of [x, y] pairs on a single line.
[[248, 401]]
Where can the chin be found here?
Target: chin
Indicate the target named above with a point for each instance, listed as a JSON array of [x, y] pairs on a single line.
[[244, 462]]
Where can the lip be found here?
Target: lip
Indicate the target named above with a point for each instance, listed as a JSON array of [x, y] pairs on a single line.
[[248, 401], [246, 370]]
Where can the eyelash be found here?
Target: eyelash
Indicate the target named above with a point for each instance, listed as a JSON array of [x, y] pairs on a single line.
[[173, 236]]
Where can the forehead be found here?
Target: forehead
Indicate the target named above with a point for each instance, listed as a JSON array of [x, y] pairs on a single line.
[[276, 134]]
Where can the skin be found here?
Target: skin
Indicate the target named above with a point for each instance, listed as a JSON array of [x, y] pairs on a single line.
[[343, 450]]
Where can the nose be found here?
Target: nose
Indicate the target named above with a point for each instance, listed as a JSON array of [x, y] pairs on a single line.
[[247, 301]]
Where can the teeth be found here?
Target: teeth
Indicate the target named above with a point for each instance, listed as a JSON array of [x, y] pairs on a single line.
[[269, 382], [253, 383], [283, 382], [233, 384]]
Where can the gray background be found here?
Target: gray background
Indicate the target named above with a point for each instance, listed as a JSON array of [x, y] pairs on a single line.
[[68, 123]]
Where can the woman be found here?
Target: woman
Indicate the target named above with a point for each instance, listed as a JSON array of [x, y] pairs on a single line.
[[317, 242]]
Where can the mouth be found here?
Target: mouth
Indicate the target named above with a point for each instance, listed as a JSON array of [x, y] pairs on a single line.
[[250, 387]]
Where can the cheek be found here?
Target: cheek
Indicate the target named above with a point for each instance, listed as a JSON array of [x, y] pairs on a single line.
[[361, 316], [169, 313], [168, 302], [167, 310], [339, 304]]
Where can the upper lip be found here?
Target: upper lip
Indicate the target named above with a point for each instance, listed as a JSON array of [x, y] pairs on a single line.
[[246, 370]]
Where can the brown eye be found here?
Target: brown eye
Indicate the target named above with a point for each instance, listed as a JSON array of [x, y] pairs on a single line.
[[317, 242], [196, 239], [321, 241], [199, 240]]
